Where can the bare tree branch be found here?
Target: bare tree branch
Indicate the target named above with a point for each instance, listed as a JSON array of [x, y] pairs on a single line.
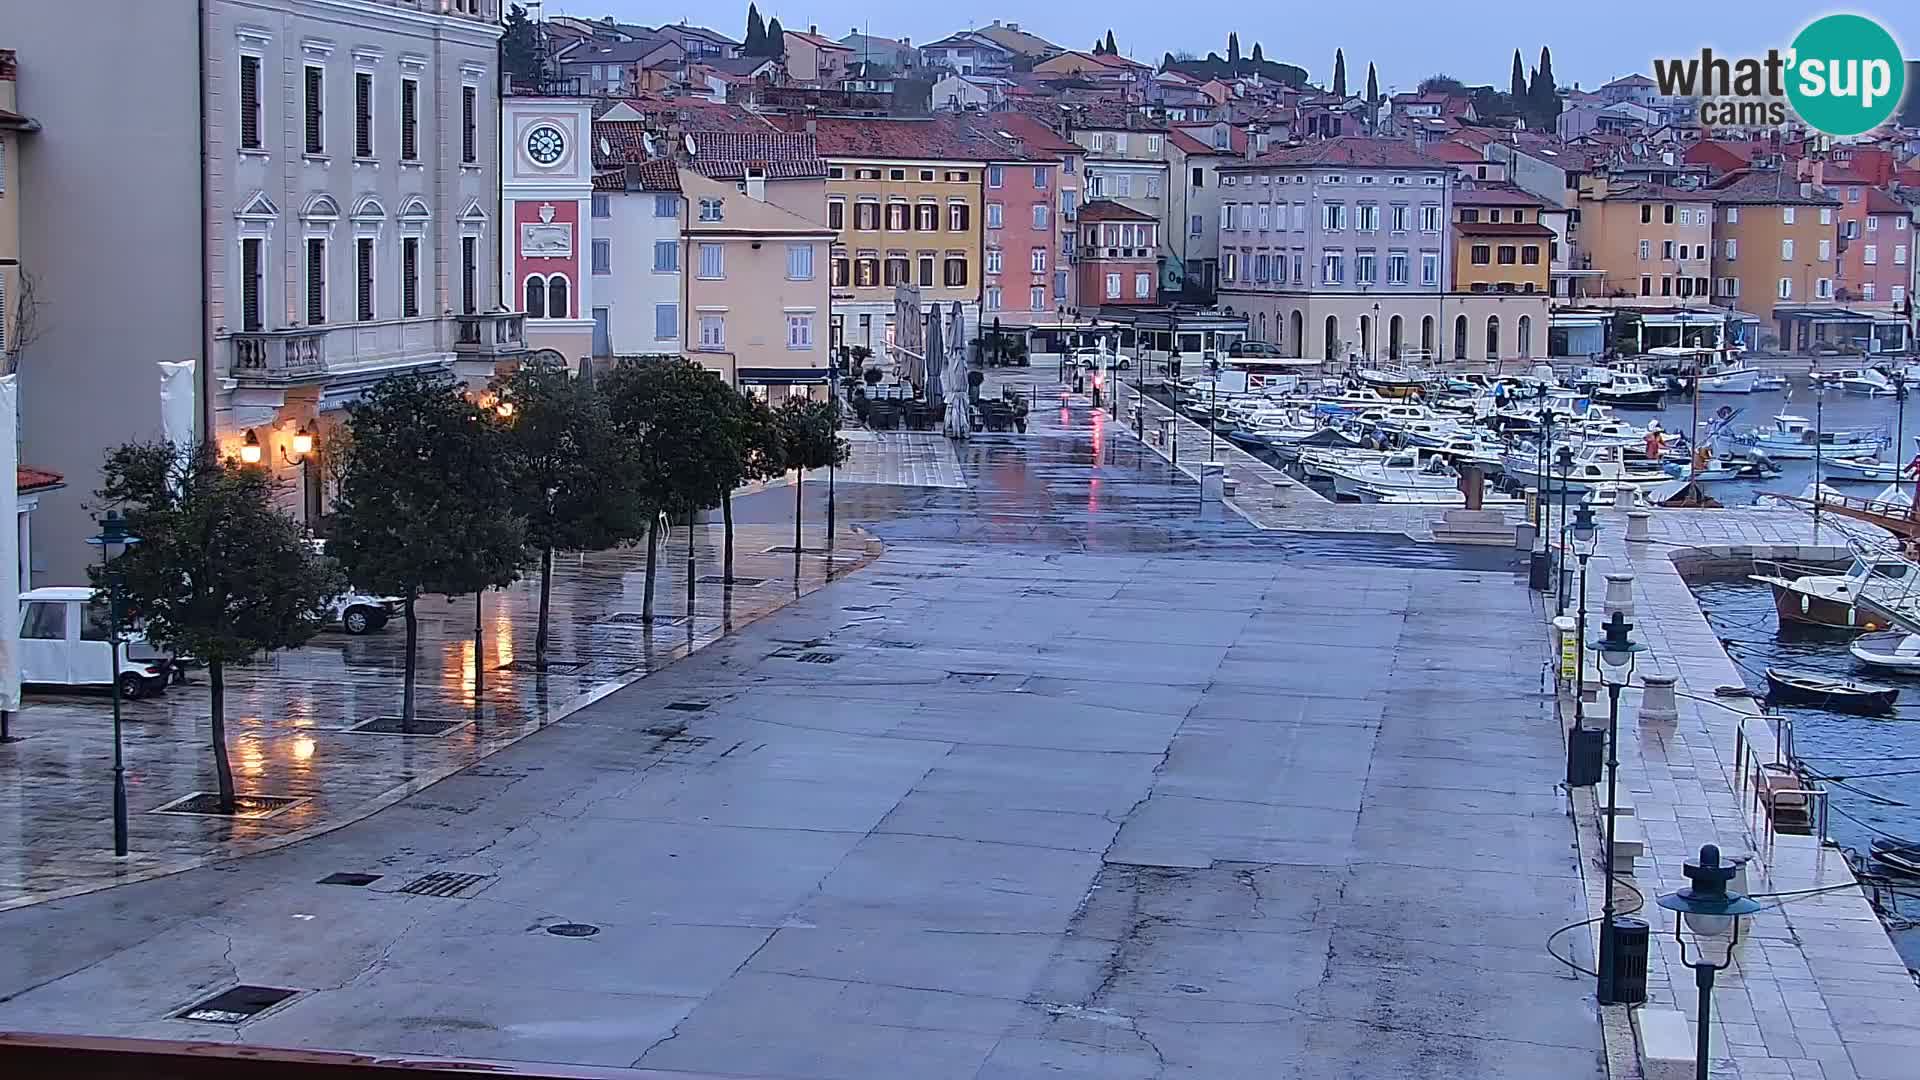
[[25, 328]]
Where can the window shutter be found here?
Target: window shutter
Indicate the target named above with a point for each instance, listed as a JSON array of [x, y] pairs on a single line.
[[409, 120], [316, 282], [410, 276], [363, 115], [364, 278], [469, 269], [250, 285], [250, 102], [316, 111], [468, 113]]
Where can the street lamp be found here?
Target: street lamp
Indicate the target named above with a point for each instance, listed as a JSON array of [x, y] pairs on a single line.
[[113, 534], [1616, 650], [1586, 537], [1708, 908], [1563, 459], [1173, 429], [1213, 401], [1541, 451], [1819, 421]]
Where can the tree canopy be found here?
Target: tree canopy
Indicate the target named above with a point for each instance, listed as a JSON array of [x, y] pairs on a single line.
[[1233, 48], [776, 38], [756, 38], [1517, 86], [520, 48], [1339, 73], [1442, 84]]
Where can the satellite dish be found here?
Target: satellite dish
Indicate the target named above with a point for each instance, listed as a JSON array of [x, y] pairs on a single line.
[[606, 148], [691, 148], [646, 142]]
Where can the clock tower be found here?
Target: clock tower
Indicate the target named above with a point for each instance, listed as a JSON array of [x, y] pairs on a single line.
[[546, 186]]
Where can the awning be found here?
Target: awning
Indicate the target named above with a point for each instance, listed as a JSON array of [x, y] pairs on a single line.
[[771, 376], [1823, 315], [1578, 319], [1693, 318]]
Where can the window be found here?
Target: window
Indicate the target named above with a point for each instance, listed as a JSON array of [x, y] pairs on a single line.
[[1866, 291], [1037, 298], [713, 261], [363, 114], [1646, 285], [993, 297], [1823, 288], [1646, 250], [602, 256], [1853, 194], [1646, 213], [1826, 250], [1142, 286], [956, 271], [799, 331], [363, 278], [1060, 284], [1299, 268], [866, 270], [1733, 250], [666, 256], [1733, 215], [1469, 215], [1786, 216], [1873, 224], [1261, 216], [1429, 268], [316, 281], [316, 96], [799, 262], [1482, 255], [1037, 261], [469, 274], [1332, 268], [1730, 287], [410, 276], [897, 174], [1039, 215], [842, 270], [1869, 254], [1113, 287], [993, 215], [1153, 186], [1666, 213], [666, 206], [1899, 224], [1666, 285], [897, 216], [713, 331], [250, 103], [926, 217], [1153, 144], [1040, 178], [1333, 216], [1430, 217], [1196, 224], [710, 210], [666, 322], [866, 216], [957, 217], [926, 270], [602, 205], [1399, 218], [953, 176], [409, 120], [1363, 268], [1700, 286], [996, 177], [1786, 248], [1899, 254], [1666, 249], [1226, 217], [469, 119], [1493, 335], [1786, 288], [44, 621], [1396, 268], [1507, 255], [1369, 217], [1530, 255], [926, 174], [250, 283], [993, 260], [1897, 294]]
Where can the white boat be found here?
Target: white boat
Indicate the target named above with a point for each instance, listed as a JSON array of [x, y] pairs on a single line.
[[1399, 475], [1888, 650], [1862, 469], [1794, 437], [1865, 381], [1592, 467], [1430, 432], [1734, 377], [1630, 390], [1769, 383]]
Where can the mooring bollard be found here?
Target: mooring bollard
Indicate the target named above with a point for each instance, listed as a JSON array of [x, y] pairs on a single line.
[[1659, 702], [1619, 596], [1637, 521]]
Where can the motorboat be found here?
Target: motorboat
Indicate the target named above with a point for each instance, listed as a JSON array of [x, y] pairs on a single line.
[[1731, 377], [1711, 468], [1592, 466], [1863, 470], [1285, 448], [1398, 474], [1463, 449], [1794, 436], [1430, 432], [1771, 383], [1829, 600], [1812, 689], [1350, 401], [1899, 856], [1865, 381], [1888, 650], [1393, 381], [1631, 390]]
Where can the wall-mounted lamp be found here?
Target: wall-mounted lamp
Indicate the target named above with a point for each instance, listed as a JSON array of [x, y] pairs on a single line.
[[302, 446], [250, 448]]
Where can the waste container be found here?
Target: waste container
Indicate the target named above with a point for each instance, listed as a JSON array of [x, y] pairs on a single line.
[[1585, 751], [1630, 941]]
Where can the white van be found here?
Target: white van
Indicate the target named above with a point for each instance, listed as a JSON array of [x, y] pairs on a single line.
[[63, 642]]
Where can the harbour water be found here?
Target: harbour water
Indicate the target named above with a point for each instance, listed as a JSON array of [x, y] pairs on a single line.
[[1872, 765]]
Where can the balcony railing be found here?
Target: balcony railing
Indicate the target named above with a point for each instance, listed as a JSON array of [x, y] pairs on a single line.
[[279, 357], [495, 334]]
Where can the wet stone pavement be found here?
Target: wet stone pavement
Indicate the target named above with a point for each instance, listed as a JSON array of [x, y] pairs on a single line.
[[1073, 781]]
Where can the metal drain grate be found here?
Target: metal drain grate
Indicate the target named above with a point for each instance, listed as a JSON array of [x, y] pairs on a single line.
[[421, 728], [355, 880], [249, 807], [689, 706], [816, 658], [573, 929], [554, 667], [444, 884], [738, 581], [235, 1006], [635, 618]]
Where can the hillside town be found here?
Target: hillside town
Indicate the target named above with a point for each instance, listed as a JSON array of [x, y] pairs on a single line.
[[548, 545]]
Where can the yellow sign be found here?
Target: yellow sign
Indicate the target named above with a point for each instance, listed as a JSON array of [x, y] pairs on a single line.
[[1569, 656]]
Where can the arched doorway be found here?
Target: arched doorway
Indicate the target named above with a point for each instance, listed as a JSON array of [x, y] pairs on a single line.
[[1526, 337], [1394, 330], [1366, 337], [1299, 334], [1426, 337], [1493, 337], [1460, 337], [1263, 326], [1333, 338]]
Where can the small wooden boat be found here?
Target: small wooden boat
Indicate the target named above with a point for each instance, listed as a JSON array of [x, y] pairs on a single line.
[[1896, 855], [1812, 689], [1889, 650]]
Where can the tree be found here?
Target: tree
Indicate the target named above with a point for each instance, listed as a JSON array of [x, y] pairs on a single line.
[[1373, 97], [1442, 84], [570, 483], [810, 434], [1517, 85], [1233, 48], [1166, 62], [520, 48], [1258, 59], [776, 38], [219, 573], [756, 434], [1543, 100], [1339, 73], [1112, 49], [658, 408], [426, 500], [756, 43]]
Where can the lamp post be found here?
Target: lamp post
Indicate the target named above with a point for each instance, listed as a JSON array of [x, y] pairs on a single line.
[[1564, 460], [1900, 415], [1819, 422], [113, 534], [1213, 401], [1140, 397], [1708, 908], [1173, 429], [1616, 667], [1541, 451], [1586, 536]]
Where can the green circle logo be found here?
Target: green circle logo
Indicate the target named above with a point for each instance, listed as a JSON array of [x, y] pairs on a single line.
[[1846, 75]]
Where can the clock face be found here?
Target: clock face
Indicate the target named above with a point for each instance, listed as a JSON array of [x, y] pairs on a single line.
[[545, 144]]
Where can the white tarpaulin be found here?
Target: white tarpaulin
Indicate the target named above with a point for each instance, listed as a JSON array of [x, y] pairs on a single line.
[[9, 544], [959, 418], [177, 404]]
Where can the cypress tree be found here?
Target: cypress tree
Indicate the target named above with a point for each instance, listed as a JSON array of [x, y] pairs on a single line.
[[1258, 59], [1112, 49], [1517, 89], [1339, 73], [1233, 48], [776, 38], [756, 43]]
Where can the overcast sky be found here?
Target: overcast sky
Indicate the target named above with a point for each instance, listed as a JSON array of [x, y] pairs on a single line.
[[1408, 39]]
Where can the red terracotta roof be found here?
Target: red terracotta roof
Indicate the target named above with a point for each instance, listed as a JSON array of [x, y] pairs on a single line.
[[1495, 196], [657, 174], [1236, 139], [950, 137], [817, 41], [1501, 228], [28, 479], [692, 114], [1352, 152], [1108, 210], [1766, 187], [1879, 202], [1030, 132], [1456, 152], [726, 155]]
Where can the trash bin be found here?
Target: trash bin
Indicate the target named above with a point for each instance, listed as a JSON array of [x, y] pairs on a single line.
[[1540, 572], [1630, 942], [1586, 750]]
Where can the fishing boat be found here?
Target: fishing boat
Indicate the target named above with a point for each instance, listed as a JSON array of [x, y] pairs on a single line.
[[1814, 690], [1862, 469], [1896, 855], [1794, 436], [1394, 382], [1888, 650], [1865, 381], [1829, 600], [1631, 390], [1592, 466], [1771, 383], [1402, 477], [1731, 377]]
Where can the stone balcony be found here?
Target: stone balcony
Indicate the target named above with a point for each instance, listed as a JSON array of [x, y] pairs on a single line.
[[495, 335], [280, 358]]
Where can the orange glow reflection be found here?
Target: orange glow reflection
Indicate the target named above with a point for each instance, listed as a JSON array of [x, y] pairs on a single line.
[[253, 760], [303, 748]]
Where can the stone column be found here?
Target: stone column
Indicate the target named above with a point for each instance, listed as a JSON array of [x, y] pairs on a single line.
[[1619, 596]]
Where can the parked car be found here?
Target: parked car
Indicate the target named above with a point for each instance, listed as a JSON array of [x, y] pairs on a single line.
[[63, 642], [358, 613], [1094, 360], [1255, 349]]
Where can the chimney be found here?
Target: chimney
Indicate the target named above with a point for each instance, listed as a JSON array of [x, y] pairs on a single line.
[[813, 121], [1254, 136], [756, 183], [906, 43], [813, 29], [1013, 26]]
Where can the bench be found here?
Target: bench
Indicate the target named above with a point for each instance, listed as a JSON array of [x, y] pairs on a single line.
[[1665, 1043], [1629, 841]]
